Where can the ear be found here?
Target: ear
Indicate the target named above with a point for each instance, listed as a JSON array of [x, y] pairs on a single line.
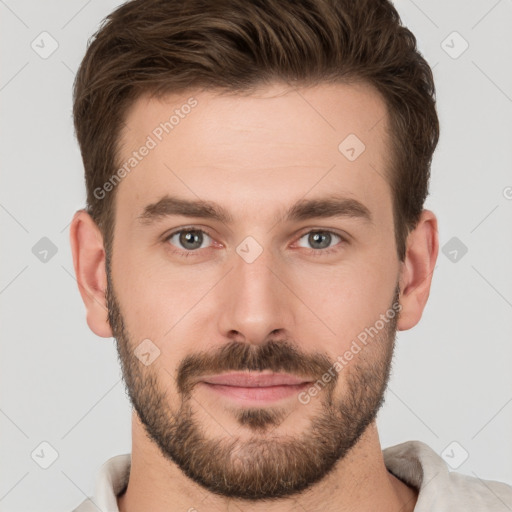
[[89, 263], [417, 269]]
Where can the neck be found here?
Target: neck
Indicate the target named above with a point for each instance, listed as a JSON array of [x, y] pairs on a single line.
[[360, 482]]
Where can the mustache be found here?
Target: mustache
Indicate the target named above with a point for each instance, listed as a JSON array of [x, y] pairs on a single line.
[[276, 356]]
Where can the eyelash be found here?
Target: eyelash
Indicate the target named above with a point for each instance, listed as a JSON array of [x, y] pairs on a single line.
[[313, 252]]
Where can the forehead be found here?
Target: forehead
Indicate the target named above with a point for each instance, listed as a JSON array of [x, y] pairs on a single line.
[[265, 147]]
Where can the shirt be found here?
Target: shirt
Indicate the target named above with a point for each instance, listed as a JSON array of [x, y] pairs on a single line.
[[413, 462]]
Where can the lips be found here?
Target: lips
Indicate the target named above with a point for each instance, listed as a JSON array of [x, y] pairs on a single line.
[[254, 388], [254, 380]]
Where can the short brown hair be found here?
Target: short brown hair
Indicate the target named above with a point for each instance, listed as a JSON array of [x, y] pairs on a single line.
[[170, 46]]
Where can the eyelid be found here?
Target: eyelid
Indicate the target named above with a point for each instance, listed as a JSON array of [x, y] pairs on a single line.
[[320, 229]]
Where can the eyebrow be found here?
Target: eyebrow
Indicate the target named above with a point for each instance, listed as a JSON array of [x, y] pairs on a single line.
[[303, 209]]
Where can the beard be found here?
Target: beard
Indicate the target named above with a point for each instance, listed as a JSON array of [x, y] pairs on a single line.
[[265, 465]]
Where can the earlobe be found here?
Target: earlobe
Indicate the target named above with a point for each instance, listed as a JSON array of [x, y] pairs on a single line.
[[89, 264], [417, 270]]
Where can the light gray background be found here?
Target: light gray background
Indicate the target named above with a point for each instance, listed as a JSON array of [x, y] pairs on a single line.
[[61, 384]]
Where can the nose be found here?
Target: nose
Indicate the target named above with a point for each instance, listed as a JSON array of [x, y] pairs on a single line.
[[254, 301]]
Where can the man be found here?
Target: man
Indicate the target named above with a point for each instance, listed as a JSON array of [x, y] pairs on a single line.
[[253, 239]]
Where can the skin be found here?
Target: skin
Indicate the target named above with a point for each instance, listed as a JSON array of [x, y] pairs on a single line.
[[256, 155]]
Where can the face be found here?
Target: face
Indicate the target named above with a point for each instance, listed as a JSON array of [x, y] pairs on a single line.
[[247, 243]]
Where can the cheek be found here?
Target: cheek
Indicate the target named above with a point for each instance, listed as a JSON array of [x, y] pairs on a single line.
[[157, 305], [344, 299], [152, 298]]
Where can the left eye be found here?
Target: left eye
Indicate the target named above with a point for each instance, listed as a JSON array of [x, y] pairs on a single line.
[[189, 239], [320, 239]]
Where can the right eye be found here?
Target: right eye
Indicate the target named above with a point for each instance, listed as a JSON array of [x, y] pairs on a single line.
[[188, 240]]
